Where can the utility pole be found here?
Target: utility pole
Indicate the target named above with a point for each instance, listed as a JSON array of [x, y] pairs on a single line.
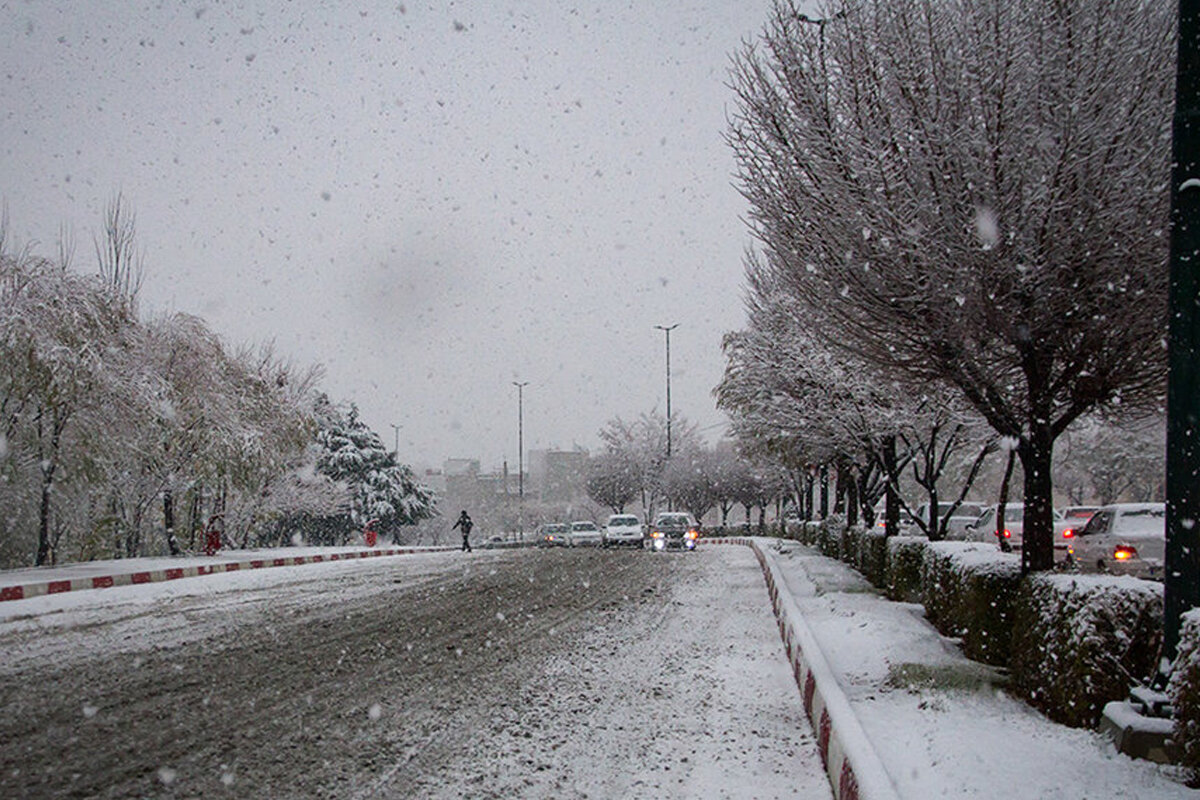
[[520, 456], [667, 330], [1181, 579]]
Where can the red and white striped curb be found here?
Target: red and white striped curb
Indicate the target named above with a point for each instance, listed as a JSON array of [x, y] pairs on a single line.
[[39, 588], [853, 767]]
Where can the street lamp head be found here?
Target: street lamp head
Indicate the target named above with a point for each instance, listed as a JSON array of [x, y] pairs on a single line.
[[667, 327]]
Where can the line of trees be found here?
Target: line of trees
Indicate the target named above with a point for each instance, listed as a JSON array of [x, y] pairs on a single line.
[[962, 205], [122, 437]]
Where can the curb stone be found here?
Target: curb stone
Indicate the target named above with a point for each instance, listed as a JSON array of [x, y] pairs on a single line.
[[40, 588]]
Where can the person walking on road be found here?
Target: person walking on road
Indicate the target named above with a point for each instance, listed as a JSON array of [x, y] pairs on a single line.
[[464, 522]]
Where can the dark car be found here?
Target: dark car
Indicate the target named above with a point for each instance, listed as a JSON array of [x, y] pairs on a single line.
[[674, 530]]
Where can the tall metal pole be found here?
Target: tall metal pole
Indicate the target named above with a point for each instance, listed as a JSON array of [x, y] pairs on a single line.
[[667, 330], [520, 456], [396, 428], [1181, 578]]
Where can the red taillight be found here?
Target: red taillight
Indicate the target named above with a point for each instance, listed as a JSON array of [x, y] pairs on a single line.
[[1124, 552], [692, 534], [1007, 533], [1069, 534]]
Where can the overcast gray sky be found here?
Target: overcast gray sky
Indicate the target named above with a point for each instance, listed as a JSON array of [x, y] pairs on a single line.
[[430, 199]]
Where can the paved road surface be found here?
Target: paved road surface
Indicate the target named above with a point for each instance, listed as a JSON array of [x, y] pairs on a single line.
[[563, 673]]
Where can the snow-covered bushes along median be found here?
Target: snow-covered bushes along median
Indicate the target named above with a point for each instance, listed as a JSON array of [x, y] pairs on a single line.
[[903, 569], [1081, 641], [1185, 692], [968, 590]]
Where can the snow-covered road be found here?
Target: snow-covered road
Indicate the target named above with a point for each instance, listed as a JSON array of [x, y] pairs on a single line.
[[564, 673]]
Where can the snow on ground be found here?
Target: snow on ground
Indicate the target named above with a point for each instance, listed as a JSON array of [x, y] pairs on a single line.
[[942, 724], [680, 692]]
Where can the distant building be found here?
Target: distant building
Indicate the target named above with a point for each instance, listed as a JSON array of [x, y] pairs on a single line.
[[557, 476]]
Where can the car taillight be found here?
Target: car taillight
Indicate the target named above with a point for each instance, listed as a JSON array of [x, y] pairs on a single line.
[[1007, 533], [692, 534], [1068, 533], [1124, 552]]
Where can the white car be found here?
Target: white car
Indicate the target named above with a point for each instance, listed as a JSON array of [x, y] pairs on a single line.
[[956, 525], [1125, 538], [984, 528], [623, 529], [585, 532]]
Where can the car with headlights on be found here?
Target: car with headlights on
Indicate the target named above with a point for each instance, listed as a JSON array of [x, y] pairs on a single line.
[[584, 533], [1123, 539], [553, 534], [623, 530], [674, 530]]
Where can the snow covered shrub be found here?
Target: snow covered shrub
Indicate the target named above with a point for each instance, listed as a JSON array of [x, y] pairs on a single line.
[[851, 545], [903, 569], [1185, 692], [872, 556], [968, 590], [1082, 641], [829, 535]]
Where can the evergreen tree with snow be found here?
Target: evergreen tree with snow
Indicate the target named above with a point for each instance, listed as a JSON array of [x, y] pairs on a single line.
[[382, 489]]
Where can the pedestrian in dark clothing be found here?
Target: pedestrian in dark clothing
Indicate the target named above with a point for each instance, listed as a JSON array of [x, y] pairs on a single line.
[[464, 522]]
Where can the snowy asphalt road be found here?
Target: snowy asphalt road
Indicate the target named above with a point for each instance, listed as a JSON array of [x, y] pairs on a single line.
[[564, 673]]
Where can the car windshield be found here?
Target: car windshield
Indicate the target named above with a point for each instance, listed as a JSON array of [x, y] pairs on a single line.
[[584, 526], [623, 522]]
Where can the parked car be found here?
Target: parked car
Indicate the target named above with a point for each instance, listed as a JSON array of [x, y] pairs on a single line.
[[956, 525], [623, 529], [906, 520], [1068, 522], [1125, 539], [585, 533], [674, 530], [554, 534], [983, 529]]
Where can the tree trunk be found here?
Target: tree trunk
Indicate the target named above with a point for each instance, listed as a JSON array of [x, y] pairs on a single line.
[[891, 498], [851, 497], [169, 521], [1036, 454], [1003, 502], [824, 491]]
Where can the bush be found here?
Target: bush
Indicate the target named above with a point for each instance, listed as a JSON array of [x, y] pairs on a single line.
[[1082, 641], [872, 558], [903, 568], [809, 531], [851, 546], [1185, 693], [829, 535], [968, 591]]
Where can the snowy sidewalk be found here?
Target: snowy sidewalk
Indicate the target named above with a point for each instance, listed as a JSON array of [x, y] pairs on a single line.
[[940, 724], [19, 584]]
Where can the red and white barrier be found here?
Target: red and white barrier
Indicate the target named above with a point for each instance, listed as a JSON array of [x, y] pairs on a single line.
[[853, 767], [39, 588]]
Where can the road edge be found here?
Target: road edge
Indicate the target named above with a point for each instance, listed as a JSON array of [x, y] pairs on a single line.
[[854, 769]]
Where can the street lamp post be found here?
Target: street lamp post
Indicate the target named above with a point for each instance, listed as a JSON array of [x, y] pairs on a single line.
[[520, 456], [396, 428], [667, 330]]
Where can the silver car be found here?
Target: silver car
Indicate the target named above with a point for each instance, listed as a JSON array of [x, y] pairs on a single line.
[[1125, 539]]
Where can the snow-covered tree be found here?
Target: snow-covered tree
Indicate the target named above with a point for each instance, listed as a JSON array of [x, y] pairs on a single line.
[[971, 194], [642, 445], [613, 480], [381, 489]]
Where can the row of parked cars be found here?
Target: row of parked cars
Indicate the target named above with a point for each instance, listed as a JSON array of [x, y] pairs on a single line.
[[1123, 538], [671, 530]]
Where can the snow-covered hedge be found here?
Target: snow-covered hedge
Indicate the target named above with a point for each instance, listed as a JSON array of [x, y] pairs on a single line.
[[872, 556], [904, 557], [829, 535], [968, 590], [1080, 641], [1185, 692], [852, 546], [809, 531]]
